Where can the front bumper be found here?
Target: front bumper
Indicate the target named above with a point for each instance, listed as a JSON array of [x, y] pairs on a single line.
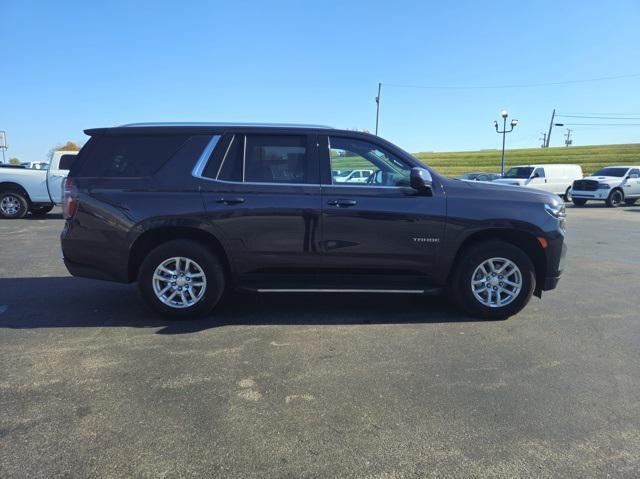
[[556, 253], [590, 195]]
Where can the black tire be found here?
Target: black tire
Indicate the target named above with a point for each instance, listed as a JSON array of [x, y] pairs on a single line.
[[13, 205], [579, 201], [615, 198], [40, 210], [567, 195], [460, 285], [630, 202], [195, 252]]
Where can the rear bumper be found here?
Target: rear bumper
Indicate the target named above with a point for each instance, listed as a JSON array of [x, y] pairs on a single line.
[[84, 271]]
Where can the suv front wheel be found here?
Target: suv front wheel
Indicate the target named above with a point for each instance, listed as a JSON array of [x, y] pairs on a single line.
[[493, 280], [181, 279]]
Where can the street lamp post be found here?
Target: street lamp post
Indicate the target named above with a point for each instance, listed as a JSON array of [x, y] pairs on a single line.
[[504, 114]]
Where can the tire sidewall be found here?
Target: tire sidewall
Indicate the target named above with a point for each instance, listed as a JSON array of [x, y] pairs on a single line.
[[477, 255], [24, 205], [610, 201], [568, 196], [195, 251]]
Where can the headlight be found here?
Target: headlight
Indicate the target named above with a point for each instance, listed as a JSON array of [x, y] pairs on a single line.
[[555, 210], [603, 186]]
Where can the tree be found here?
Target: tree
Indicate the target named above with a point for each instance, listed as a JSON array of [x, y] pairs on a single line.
[[14, 161], [68, 146]]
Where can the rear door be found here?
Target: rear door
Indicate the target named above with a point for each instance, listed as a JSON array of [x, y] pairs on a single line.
[[263, 191], [381, 224]]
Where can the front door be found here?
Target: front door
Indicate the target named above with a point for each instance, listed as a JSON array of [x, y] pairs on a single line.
[[382, 223], [264, 194], [632, 184]]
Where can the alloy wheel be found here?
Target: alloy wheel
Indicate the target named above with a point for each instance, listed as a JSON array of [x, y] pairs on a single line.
[[496, 282], [179, 282]]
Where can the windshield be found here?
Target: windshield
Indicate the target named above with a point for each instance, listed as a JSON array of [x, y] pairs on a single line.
[[519, 172], [620, 172]]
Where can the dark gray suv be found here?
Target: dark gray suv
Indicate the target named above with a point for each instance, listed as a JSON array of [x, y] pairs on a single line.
[[192, 210]]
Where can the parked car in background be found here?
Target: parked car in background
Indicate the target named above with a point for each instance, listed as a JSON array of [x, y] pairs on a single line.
[[479, 176], [556, 179], [190, 211], [355, 176], [614, 185], [35, 191], [36, 165]]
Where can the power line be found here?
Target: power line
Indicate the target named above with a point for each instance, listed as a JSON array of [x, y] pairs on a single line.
[[599, 117], [522, 85], [600, 113], [601, 124]]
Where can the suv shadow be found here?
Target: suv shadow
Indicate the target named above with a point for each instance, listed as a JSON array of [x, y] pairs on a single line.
[[65, 302]]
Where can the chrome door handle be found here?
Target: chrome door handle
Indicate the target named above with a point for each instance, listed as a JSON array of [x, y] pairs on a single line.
[[230, 201]]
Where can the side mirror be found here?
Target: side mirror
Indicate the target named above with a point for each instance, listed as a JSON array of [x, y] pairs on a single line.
[[66, 161], [421, 180]]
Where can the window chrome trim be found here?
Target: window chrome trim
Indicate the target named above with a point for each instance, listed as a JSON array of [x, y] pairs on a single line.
[[244, 157], [224, 158], [204, 157]]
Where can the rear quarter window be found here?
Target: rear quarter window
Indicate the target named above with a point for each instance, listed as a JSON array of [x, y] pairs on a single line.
[[132, 156]]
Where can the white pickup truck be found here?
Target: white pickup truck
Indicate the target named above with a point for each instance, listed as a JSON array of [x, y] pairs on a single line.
[[25, 190]]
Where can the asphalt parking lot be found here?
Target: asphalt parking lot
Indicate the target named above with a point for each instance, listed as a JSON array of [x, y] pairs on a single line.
[[93, 384]]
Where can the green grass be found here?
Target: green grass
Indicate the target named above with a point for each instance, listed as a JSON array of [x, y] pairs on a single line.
[[590, 158]]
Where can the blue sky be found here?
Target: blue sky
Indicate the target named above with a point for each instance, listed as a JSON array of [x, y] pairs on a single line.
[[68, 66]]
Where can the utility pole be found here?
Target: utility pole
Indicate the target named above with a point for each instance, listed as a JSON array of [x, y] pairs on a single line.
[[543, 139], [378, 107], [568, 141], [553, 115], [3, 145]]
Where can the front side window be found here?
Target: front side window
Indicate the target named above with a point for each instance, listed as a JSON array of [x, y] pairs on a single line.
[[538, 173], [365, 164], [522, 172]]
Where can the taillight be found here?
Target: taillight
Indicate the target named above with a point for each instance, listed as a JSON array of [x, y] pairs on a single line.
[[70, 198]]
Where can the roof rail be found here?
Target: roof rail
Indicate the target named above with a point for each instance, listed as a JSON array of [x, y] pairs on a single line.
[[272, 125]]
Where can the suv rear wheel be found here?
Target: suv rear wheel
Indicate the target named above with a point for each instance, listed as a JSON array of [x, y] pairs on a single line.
[[181, 279], [494, 280], [13, 205]]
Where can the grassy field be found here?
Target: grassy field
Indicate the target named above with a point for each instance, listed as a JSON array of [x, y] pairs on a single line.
[[590, 158]]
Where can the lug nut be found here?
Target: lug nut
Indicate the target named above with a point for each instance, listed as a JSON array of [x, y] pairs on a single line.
[[501, 283], [173, 283], [495, 288]]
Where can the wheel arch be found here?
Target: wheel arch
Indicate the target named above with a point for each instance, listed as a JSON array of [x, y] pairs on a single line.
[[12, 186], [154, 237], [526, 241]]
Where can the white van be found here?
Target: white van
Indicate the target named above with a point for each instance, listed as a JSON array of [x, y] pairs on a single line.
[[554, 178]]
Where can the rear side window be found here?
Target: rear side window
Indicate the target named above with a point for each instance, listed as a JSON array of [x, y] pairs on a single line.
[[130, 156], [258, 158], [276, 159]]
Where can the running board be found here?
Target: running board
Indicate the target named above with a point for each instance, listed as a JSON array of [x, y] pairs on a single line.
[[404, 291]]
